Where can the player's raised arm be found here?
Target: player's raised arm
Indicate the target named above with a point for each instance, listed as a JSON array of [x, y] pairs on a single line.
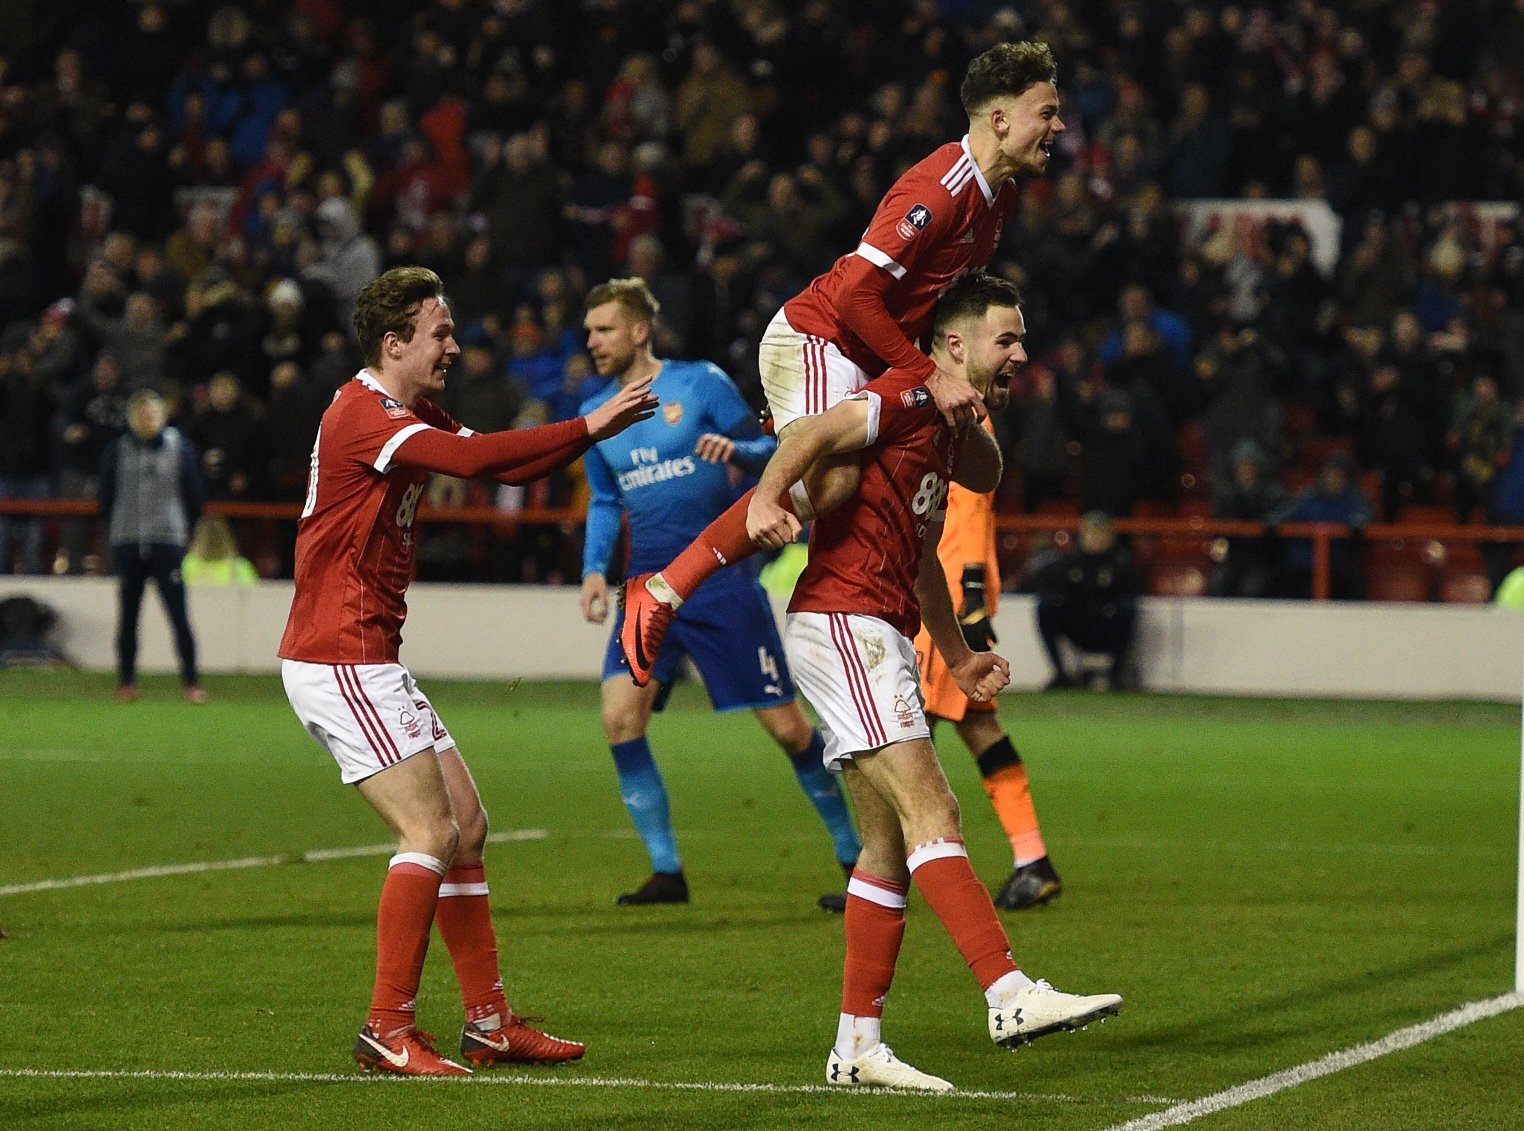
[[847, 427]]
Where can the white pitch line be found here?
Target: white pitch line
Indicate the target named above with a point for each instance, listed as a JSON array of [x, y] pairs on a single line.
[[314, 856], [479, 1080], [1191, 1110]]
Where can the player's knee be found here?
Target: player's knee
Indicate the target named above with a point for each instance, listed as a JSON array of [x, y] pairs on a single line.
[[472, 833], [622, 724]]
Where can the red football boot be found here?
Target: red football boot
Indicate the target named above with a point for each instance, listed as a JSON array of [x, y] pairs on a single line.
[[646, 619], [516, 1042], [408, 1053]]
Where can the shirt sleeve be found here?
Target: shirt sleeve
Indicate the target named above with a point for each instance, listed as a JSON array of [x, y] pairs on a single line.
[[735, 420], [603, 513], [866, 313]]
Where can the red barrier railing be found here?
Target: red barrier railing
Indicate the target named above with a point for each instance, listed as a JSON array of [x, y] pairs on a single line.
[[1321, 534]]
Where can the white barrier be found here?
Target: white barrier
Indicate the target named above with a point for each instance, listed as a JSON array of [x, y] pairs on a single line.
[[1294, 648]]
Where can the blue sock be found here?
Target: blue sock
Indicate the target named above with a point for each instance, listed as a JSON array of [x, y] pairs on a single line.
[[645, 796], [824, 792]]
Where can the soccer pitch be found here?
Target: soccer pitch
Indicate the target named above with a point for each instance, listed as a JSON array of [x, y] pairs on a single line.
[[1267, 883]]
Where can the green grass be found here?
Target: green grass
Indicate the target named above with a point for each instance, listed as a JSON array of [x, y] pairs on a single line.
[[1265, 881]]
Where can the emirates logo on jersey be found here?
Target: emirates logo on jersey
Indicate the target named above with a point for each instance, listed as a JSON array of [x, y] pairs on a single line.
[[672, 413], [915, 221]]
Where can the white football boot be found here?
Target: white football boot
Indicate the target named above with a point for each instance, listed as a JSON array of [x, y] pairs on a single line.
[[880, 1068], [1040, 1009]]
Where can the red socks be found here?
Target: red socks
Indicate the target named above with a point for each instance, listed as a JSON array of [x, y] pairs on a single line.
[[875, 925], [944, 877], [465, 924], [403, 919]]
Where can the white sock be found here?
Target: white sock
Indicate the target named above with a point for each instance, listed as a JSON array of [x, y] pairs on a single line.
[[856, 1035], [662, 591], [1006, 985]]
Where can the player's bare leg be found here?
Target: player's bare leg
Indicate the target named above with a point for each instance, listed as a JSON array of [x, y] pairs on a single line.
[[412, 799], [493, 1033], [874, 928], [910, 779]]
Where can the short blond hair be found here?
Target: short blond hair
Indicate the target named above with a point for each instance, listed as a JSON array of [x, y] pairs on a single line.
[[632, 294]]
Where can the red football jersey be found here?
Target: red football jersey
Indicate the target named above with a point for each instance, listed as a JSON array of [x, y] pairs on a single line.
[[354, 540], [937, 221], [865, 555]]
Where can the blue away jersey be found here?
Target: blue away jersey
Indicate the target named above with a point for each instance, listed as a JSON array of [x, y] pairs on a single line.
[[651, 471]]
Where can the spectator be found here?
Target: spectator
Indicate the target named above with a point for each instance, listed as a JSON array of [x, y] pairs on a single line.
[[289, 430], [27, 405], [229, 432], [212, 558], [92, 416], [708, 101], [519, 192], [1089, 600], [1334, 497], [349, 256], [1480, 436], [1041, 439], [1249, 566], [150, 497]]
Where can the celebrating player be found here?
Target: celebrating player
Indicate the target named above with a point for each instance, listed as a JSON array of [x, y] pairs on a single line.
[[872, 577], [671, 474], [376, 445], [966, 553], [943, 217]]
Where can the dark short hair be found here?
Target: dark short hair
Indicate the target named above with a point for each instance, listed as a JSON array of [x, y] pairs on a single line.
[[389, 304], [1006, 68], [971, 296]]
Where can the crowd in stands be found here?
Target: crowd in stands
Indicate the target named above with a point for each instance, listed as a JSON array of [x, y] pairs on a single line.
[[191, 195]]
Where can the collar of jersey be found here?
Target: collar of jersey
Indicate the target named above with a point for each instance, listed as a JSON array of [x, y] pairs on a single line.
[[984, 186]]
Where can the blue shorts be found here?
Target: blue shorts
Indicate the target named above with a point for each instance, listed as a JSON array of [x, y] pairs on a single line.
[[732, 638]]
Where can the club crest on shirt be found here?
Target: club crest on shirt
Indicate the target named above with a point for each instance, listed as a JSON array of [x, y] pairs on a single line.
[[915, 220], [918, 397], [395, 408], [672, 412]]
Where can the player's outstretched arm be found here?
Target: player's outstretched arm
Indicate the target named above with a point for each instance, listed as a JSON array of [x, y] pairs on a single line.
[[979, 464], [844, 428], [980, 675]]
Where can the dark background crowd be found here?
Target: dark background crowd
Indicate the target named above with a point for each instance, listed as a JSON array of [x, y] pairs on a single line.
[[191, 194]]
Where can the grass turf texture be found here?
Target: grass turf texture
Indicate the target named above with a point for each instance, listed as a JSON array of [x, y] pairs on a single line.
[[1266, 882]]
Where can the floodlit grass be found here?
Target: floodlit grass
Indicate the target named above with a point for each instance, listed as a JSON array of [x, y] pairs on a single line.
[[1265, 882]]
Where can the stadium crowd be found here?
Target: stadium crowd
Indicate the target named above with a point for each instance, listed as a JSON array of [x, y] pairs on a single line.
[[190, 197]]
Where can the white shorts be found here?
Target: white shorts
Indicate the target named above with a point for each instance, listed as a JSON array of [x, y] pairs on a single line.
[[860, 676], [802, 375], [368, 716]]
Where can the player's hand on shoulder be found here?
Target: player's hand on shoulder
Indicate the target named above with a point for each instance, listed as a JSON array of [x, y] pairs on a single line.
[[982, 676], [595, 598], [768, 524], [632, 403], [714, 448], [958, 401]]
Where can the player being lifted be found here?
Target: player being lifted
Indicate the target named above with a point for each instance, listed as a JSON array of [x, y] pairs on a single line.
[[943, 217], [872, 578], [671, 475], [376, 446]]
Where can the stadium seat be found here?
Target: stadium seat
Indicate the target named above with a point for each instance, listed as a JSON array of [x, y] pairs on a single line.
[[1179, 576], [1398, 581], [1461, 586]]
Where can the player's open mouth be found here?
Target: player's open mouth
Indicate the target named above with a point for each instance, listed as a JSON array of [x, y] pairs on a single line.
[[1046, 147]]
